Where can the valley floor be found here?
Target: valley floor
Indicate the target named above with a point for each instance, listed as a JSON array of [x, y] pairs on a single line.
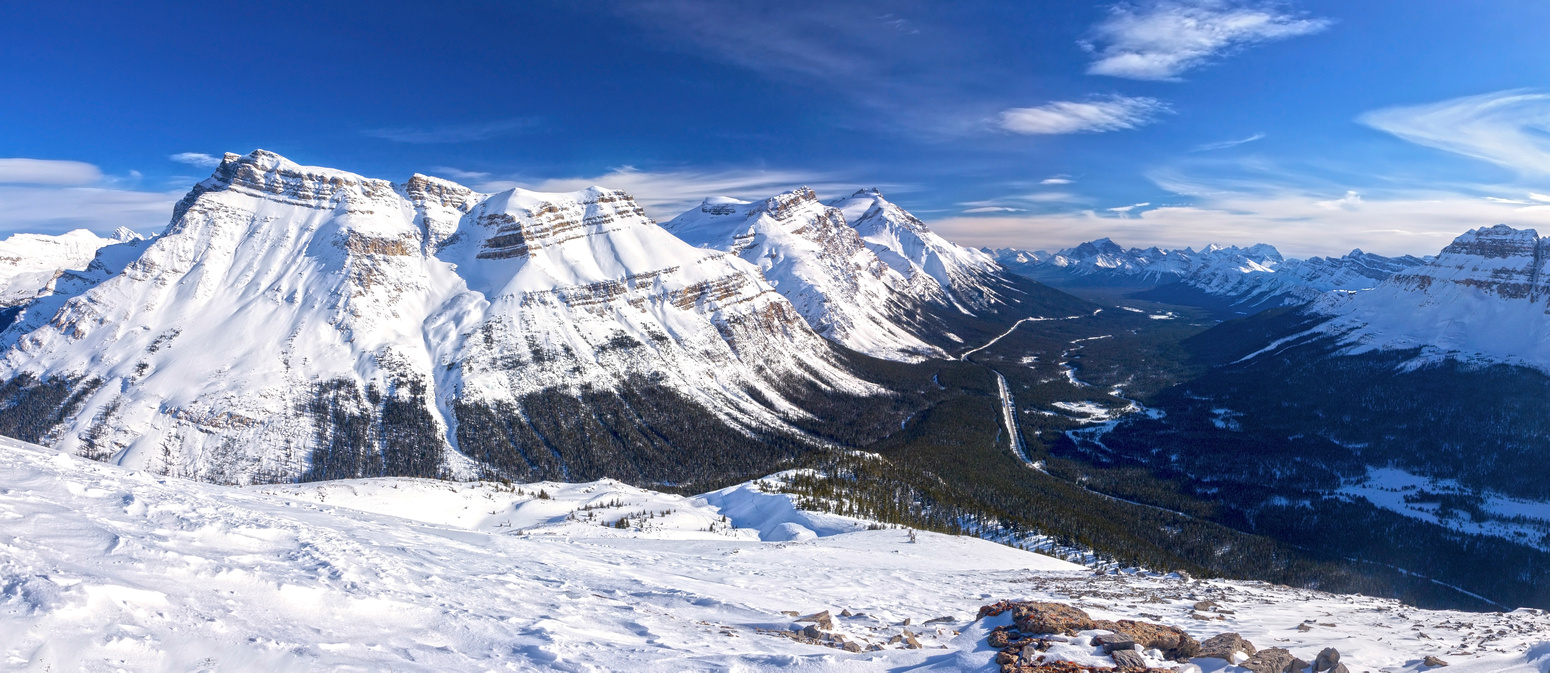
[[103, 569]]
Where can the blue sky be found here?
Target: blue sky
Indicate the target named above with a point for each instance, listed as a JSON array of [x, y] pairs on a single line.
[[1315, 126]]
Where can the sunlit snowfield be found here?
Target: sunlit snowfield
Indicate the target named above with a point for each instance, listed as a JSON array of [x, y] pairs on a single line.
[[105, 569]]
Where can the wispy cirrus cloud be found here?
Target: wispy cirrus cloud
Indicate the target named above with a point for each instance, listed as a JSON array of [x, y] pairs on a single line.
[[1161, 40], [452, 133], [1207, 147], [1509, 128], [198, 159], [17, 171], [1111, 113]]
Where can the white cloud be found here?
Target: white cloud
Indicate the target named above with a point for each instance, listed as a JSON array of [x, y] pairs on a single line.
[[992, 209], [1509, 128], [1125, 209], [458, 173], [1542, 198], [1055, 181], [666, 194], [47, 172], [455, 133], [1113, 113], [46, 210], [1227, 143], [1161, 40], [198, 159]]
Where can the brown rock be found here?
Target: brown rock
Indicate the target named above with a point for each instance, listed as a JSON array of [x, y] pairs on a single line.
[[1174, 642], [822, 619], [910, 642], [1224, 645], [852, 647], [1433, 662], [1128, 660], [1326, 661], [846, 613], [1269, 660], [1036, 617]]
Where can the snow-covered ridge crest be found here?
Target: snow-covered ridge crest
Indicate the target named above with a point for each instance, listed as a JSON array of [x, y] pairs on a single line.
[[822, 265], [30, 264], [1485, 297], [283, 301], [910, 247]]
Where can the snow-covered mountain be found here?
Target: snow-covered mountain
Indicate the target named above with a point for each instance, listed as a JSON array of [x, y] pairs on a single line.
[[867, 274], [1246, 279], [1485, 297], [903, 242], [810, 254], [300, 321], [30, 264]]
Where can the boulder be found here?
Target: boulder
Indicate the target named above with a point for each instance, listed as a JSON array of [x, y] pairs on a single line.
[[1128, 660], [1270, 660], [812, 631], [852, 647], [1225, 645], [1297, 665], [1115, 641], [822, 619], [1326, 661], [1433, 662], [1172, 641], [1036, 617]]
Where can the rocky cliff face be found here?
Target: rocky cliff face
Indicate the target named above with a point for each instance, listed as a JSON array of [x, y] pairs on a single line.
[[301, 322], [1484, 297]]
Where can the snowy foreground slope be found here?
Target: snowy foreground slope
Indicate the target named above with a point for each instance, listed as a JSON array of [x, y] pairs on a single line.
[[105, 569]]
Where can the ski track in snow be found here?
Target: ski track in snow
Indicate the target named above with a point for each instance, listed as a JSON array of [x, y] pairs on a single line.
[[104, 569]]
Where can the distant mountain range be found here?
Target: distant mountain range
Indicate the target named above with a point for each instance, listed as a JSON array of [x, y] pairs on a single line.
[[1230, 280]]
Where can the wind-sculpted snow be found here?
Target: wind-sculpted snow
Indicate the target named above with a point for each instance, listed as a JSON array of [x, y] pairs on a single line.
[[107, 569], [1485, 297], [296, 321], [832, 277], [1252, 277]]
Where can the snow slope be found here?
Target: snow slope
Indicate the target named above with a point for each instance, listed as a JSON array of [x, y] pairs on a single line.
[[1486, 297], [300, 320], [106, 569], [834, 278]]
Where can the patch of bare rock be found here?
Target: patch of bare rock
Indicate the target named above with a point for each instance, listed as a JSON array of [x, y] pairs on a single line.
[[1057, 638]]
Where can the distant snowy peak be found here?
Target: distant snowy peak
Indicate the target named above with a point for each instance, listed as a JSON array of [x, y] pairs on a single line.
[[910, 247], [1485, 296], [303, 322], [1254, 276], [31, 263], [822, 265]]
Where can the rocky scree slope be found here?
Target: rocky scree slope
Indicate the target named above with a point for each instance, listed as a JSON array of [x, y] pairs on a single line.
[[302, 322]]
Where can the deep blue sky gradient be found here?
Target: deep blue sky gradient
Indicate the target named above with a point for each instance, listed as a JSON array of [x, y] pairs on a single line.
[[904, 95]]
